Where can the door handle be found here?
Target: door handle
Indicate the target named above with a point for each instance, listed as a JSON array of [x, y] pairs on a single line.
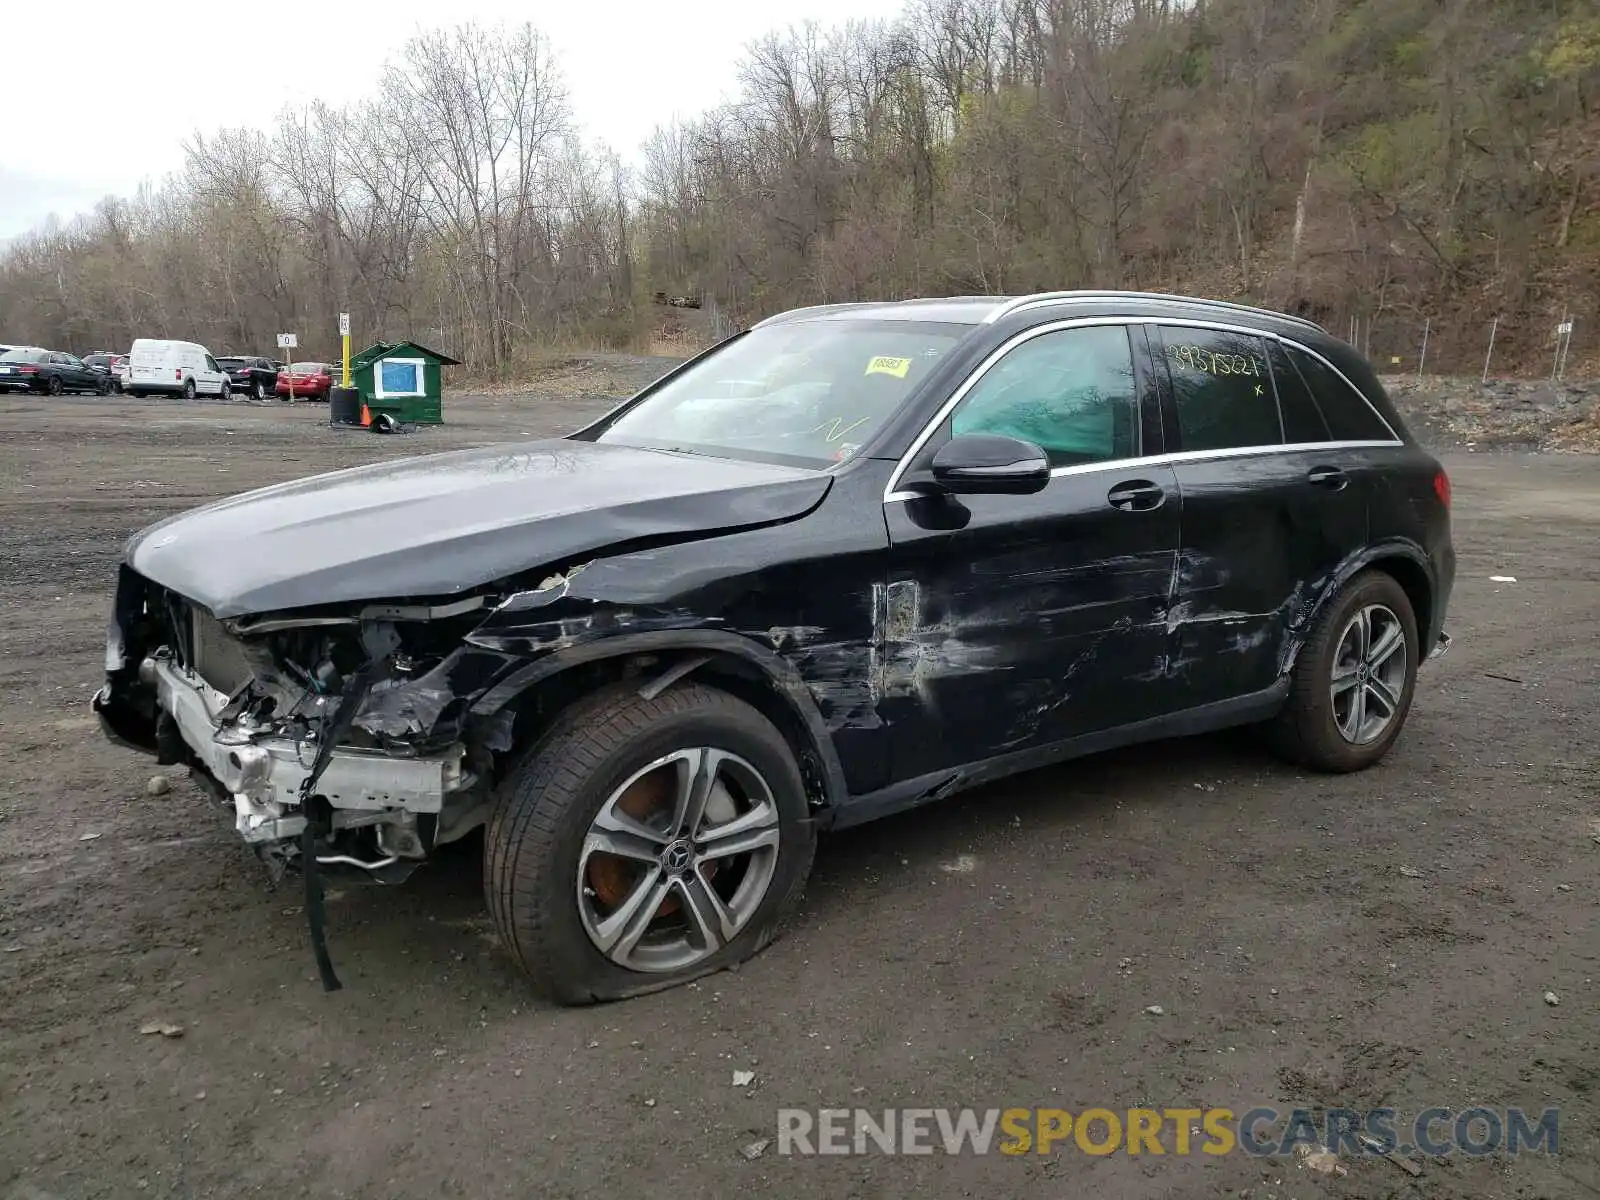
[[1331, 478], [1136, 495]]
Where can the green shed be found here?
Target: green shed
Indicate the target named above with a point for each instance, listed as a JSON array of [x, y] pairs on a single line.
[[404, 379]]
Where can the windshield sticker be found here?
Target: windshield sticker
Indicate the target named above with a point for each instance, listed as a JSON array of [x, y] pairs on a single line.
[[834, 432], [889, 366]]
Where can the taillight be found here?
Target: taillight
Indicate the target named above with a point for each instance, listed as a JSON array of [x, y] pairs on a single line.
[[1441, 488], [27, 370], [177, 373]]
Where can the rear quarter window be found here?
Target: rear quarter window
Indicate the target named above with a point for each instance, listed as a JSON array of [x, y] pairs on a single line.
[[1302, 418], [1350, 418]]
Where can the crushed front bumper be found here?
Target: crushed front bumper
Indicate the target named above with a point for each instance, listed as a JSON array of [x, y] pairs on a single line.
[[264, 774]]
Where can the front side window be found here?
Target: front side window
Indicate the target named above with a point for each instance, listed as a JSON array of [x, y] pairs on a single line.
[[809, 393], [1070, 392], [1222, 387]]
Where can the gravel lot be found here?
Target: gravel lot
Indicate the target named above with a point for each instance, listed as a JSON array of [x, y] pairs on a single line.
[[1000, 949]]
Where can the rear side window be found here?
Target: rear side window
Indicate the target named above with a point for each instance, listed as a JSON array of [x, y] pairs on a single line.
[[1350, 418], [1070, 392], [1302, 419], [1222, 387]]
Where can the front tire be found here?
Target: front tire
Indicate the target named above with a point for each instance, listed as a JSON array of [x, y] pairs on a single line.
[[644, 843], [1354, 679]]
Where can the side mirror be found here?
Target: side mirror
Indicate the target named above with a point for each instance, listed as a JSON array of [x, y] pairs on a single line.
[[987, 464]]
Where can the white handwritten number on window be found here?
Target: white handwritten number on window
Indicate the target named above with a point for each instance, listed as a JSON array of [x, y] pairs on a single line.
[[1209, 362]]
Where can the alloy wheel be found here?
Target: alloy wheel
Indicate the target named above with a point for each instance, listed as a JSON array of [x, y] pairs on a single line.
[[1369, 674], [678, 860]]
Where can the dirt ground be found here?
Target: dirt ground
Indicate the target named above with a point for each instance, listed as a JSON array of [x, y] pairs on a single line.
[[1000, 949]]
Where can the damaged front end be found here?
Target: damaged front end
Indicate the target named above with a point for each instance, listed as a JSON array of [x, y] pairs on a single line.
[[345, 730]]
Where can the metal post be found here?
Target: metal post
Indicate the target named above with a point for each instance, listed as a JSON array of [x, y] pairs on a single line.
[[1426, 327], [344, 337], [1561, 371], [1560, 333], [1492, 328]]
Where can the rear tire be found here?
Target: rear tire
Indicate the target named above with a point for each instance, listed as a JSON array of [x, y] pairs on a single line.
[[1339, 668], [54, 385], [189, 390], [104, 388], [541, 856], [259, 391], [224, 392]]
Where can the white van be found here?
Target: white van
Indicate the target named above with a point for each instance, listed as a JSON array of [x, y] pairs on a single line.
[[175, 368]]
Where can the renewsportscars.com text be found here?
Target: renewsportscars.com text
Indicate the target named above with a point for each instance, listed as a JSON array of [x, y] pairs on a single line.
[[1260, 1132]]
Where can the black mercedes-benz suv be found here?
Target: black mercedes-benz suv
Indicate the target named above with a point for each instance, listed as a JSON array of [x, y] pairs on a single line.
[[851, 560]]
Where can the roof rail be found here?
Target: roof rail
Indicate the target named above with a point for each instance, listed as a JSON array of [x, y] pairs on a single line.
[[1020, 302], [779, 318]]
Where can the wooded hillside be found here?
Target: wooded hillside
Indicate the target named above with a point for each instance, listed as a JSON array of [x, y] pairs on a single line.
[[1392, 162]]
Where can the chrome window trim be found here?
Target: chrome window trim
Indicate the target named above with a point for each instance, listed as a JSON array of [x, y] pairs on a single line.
[[1183, 456], [890, 495]]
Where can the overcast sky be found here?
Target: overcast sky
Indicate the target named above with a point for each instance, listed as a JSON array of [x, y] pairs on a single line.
[[128, 81]]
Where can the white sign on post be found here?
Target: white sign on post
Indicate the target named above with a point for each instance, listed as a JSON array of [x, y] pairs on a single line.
[[1564, 327], [344, 324], [286, 341]]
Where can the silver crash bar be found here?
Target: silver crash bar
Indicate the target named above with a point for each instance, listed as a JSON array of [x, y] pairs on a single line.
[[264, 774]]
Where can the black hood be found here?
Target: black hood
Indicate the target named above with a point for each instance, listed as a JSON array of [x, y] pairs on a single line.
[[440, 524]]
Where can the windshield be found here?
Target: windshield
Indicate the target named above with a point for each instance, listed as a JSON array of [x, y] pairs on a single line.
[[307, 368], [811, 393], [21, 355], [230, 364]]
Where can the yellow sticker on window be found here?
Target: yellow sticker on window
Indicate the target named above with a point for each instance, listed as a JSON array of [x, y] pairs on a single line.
[[889, 366]]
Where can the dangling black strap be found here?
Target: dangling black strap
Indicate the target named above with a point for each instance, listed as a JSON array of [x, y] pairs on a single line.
[[333, 729], [315, 917]]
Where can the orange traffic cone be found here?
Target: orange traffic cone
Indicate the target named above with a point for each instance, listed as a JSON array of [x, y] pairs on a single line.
[[366, 417]]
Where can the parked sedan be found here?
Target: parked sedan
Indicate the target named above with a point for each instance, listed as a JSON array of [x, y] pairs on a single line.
[[115, 365], [306, 381], [50, 371], [254, 377]]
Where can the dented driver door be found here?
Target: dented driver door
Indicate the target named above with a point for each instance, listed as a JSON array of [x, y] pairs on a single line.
[[1010, 623]]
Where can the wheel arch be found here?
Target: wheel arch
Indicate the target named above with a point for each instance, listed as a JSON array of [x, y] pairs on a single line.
[[1403, 561], [539, 690]]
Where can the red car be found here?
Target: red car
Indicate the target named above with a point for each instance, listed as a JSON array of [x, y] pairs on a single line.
[[306, 380]]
